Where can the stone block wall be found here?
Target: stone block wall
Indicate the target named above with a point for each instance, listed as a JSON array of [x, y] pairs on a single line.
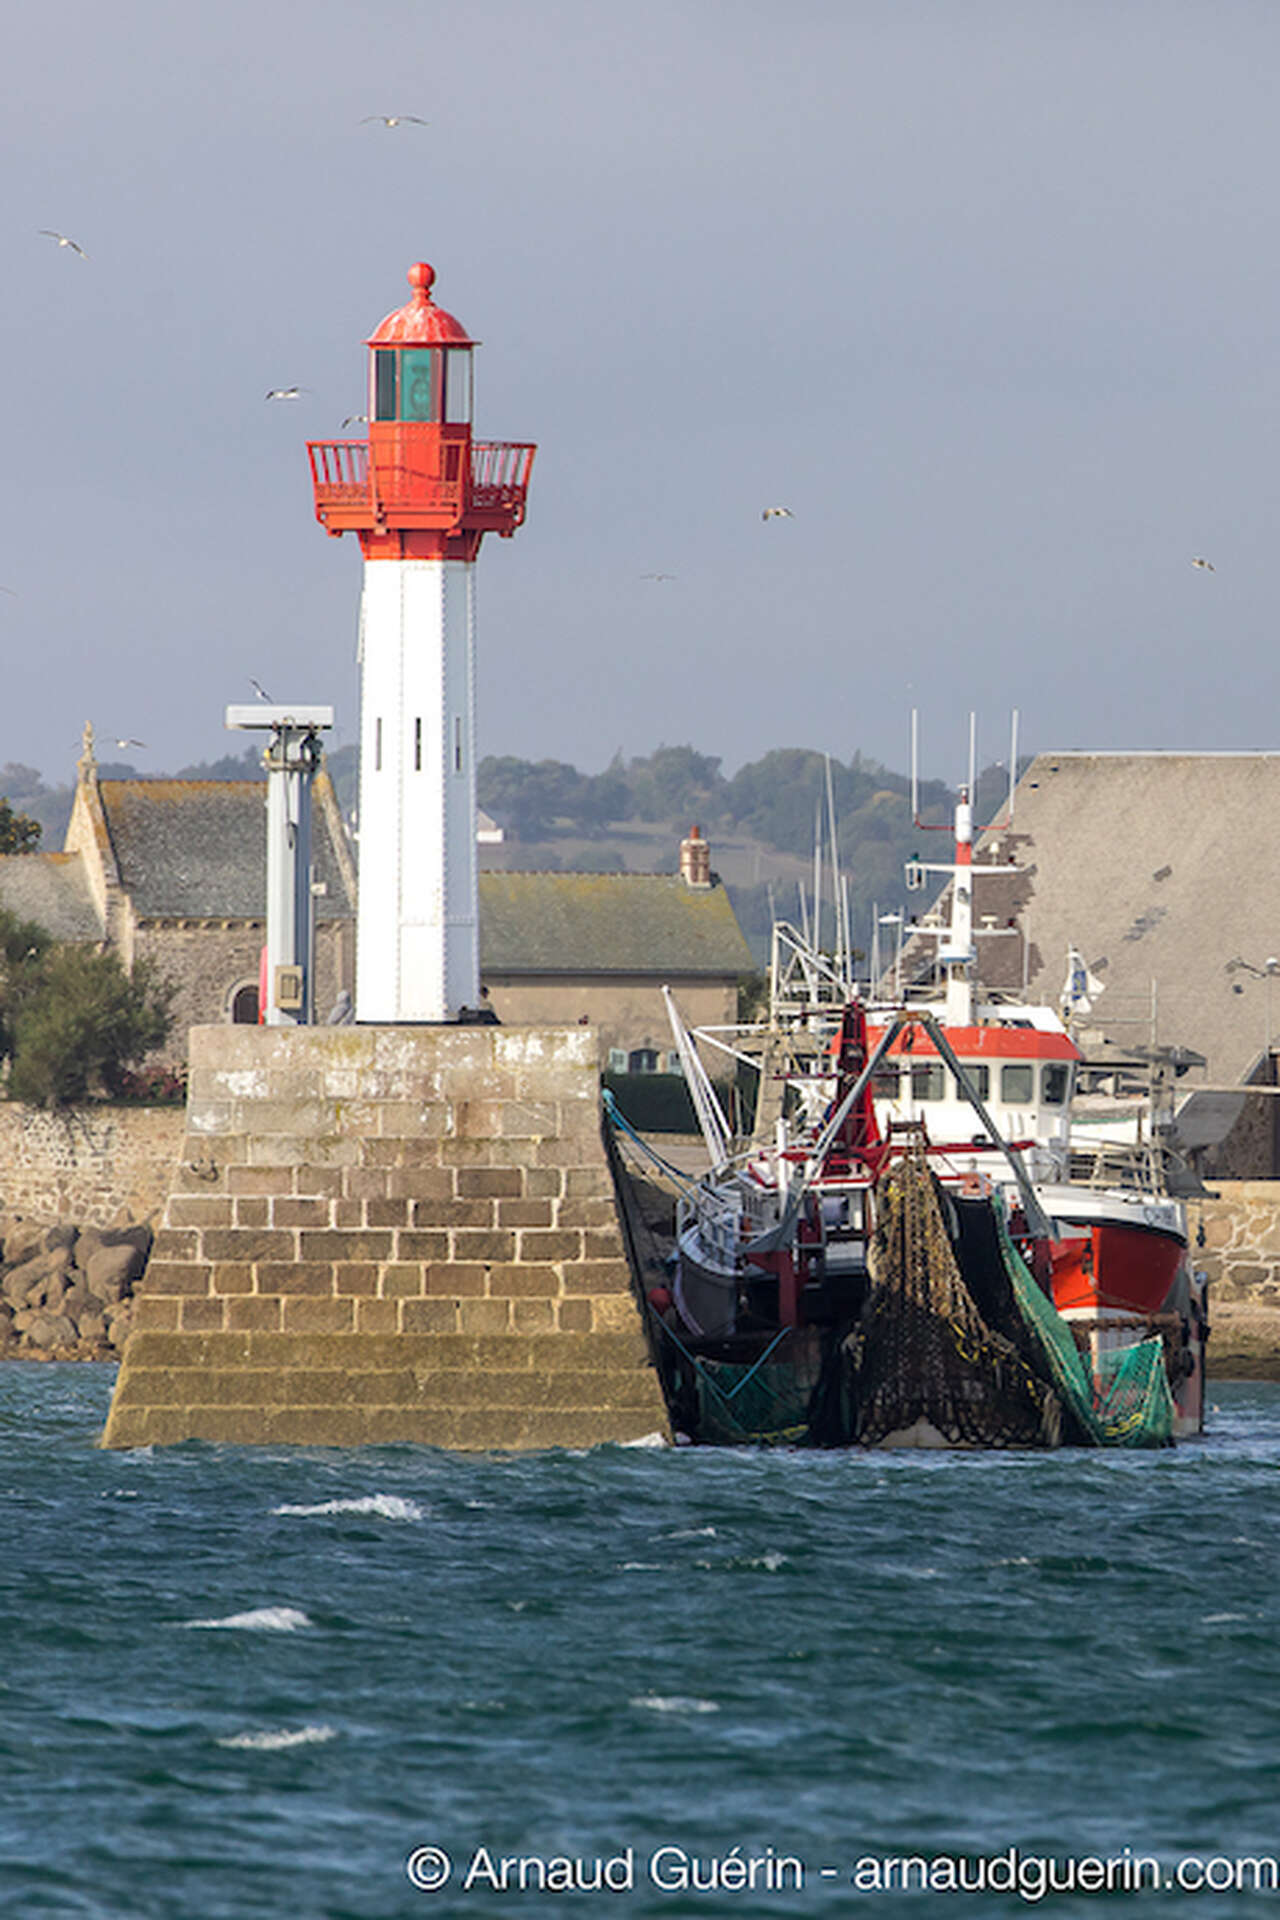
[[1240, 1230], [389, 1233], [92, 1165], [1240, 1226]]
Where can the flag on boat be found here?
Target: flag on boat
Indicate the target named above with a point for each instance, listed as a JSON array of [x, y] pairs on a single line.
[[1081, 988]]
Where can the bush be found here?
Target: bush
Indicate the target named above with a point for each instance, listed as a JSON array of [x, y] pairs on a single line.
[[82, 1023]]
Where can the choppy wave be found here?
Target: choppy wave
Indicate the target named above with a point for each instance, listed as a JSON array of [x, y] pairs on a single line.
[[276, 1740], [259, 1620], [673, 1703], [387, 1506]]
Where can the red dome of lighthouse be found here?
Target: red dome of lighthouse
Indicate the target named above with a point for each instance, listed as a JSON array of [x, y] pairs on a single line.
[[420, 323]]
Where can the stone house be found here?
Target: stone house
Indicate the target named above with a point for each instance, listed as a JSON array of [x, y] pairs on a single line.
[[174, 871], [597, 948]]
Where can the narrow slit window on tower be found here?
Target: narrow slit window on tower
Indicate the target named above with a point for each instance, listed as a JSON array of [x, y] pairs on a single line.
[[417, 746], [384, 386], [457, 744], [377, 746]]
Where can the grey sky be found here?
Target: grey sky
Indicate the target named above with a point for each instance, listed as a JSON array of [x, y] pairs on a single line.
[[985, 293]]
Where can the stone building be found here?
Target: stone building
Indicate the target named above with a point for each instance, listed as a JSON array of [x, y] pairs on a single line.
[[1161, 871], [174, 871], [597, 949]]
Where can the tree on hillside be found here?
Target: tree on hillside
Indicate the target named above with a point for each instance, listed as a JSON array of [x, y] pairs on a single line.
[[678, 785], [18, 832]]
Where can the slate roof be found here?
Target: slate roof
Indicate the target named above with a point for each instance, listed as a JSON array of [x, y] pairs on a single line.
[[52, 890], [607, 923], [1159, 867], [197, 849]]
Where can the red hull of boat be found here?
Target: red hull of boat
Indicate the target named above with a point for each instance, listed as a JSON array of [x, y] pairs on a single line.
[[1111, 1265]]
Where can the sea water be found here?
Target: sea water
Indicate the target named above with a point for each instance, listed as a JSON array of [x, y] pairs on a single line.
[[646, 1682]]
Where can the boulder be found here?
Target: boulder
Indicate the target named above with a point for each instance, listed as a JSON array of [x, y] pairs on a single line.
[[78, 1301], [49, 1332], [39, 1267], [49, 1292], [59, 1236], [111, 1270], [119, 1323], [22, 1238], [15, 1288], [92, 1327]]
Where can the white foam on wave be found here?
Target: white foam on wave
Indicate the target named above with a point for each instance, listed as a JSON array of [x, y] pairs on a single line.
[[1220, 1619], [387, 1506], [277, 1740], [639, 1566], [770, 1561], [259, 1620], [691, 1533], [673, 1703], [647, 1440]]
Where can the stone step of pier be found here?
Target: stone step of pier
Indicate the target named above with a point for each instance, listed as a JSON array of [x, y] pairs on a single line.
[[465, 1392]]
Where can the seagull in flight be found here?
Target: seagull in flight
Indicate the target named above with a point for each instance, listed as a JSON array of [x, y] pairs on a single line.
[[132, 743], [356, 420], [393, 119], [64, 241], [11, 591], [286, 393], [777, 513], [657, 576], [260, 690], [1206, 564]]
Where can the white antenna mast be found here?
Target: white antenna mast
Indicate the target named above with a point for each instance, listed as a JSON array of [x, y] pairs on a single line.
[[840, 943]]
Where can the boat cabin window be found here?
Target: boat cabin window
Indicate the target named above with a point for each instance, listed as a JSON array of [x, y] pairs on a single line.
[[1017, 1084], [884, 1083], [929, 1081], [979, 1079], [1057, 1083], [384, 386], [643, 1060]]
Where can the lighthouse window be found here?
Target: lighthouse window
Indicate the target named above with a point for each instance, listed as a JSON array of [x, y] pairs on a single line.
[[1017, 1085], [1057, 1077], [416, 383], [384, 386], [457, 392]]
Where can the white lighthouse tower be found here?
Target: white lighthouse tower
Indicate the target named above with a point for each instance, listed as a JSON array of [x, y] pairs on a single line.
[[421, 494]]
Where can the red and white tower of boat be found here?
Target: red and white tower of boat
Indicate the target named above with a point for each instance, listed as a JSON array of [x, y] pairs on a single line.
[[421, 494]]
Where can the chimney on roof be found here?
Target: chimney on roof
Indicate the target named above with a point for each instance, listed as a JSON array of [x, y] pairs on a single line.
[[695, 860]]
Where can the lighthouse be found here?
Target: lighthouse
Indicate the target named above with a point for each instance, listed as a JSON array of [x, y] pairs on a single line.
[[420, 493]]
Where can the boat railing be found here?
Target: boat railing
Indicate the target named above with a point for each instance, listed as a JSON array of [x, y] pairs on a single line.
[[1138, 1167]]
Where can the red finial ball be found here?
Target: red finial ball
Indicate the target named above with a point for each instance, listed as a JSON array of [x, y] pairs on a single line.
[[421, 279]]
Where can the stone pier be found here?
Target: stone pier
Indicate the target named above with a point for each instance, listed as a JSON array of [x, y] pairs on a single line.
[[382, 1234]]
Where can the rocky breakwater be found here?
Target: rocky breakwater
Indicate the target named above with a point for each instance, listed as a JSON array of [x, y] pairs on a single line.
[[66, 1292]]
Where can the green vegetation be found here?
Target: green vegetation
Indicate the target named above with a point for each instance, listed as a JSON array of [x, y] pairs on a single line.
[[72, 1021]]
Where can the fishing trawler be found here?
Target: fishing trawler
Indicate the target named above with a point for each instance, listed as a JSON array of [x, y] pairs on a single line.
[[907, 1228]]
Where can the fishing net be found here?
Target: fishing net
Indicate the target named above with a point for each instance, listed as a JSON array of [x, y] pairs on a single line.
[[766, 1402], [1130, 1404], [922, 1352]]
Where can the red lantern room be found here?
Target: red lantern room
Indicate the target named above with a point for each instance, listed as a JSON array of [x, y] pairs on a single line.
[[420, 488]]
